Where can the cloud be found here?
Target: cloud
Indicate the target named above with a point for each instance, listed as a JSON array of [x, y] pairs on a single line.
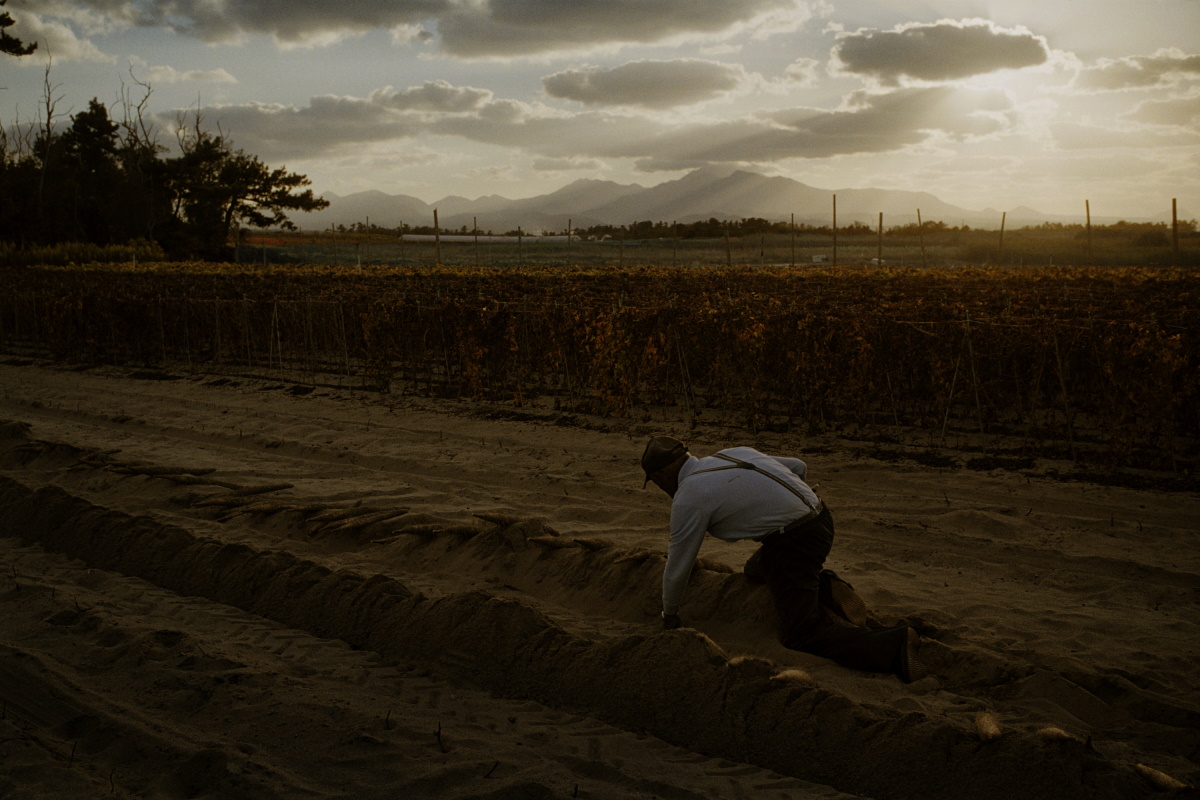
[[1072, 136], [650, 84], [465, 28], [55, 40], [432, 96], [514, 28], [1166, 68], [566, 164], [165, 74], [290, 22], [1181, 112], [866, 123], [802, 72], [942, 51], [325, 127]]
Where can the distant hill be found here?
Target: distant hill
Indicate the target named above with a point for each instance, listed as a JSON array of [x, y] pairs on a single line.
[[703, 194], [380, 208]]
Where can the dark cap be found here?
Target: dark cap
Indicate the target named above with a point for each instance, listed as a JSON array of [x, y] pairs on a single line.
[[660, 452]]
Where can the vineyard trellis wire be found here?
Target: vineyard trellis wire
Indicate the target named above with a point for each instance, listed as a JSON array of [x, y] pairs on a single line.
[[1099, 362]]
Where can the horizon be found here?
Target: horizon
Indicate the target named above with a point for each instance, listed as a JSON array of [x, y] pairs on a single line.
[[1023, 213], [979, 103]]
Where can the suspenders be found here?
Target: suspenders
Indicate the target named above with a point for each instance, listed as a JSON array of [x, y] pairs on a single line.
[[739, 464]]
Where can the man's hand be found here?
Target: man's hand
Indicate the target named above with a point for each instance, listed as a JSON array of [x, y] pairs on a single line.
[[671, 621]]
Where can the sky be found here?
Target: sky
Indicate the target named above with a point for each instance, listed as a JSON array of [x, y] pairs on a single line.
[[983, 103]]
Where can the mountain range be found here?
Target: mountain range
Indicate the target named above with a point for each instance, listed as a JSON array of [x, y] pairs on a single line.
[[700, 195]]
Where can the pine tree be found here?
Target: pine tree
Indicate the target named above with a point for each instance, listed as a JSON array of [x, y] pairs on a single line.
[[10, 44]]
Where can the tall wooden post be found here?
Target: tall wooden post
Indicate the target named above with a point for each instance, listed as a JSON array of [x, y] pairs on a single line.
[[1087, 207], [1175, 229], [793, 230], [1000, 246], [437, 237], [921, 237], [835, 230], [879, 251]]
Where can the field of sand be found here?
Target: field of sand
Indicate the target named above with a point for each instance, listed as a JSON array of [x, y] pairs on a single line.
[[234, 587]]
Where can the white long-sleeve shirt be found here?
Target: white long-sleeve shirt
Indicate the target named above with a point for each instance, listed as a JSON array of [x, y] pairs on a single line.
[[731, 504]]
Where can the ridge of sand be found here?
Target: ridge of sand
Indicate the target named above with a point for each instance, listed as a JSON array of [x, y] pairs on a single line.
[[529, 568]]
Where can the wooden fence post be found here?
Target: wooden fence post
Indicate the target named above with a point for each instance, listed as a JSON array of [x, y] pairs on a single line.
[[162, 332], [921, 239], [1175, 229], [1000, 246], [1062, 382], [793, 230], [835, 230], [437, 237], [246, 326], [950, 399], [974, 375], [879, 251], [1087, 207]]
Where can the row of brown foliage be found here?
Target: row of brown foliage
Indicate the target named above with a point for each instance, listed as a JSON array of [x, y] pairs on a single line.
[[1103, 361]]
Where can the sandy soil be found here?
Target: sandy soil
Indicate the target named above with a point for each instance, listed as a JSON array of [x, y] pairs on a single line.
[[231, 587]]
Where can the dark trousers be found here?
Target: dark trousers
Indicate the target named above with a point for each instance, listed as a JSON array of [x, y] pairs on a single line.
[[791, 563]]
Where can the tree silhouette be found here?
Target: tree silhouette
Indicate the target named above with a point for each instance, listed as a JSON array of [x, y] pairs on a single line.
[[216, 187], [10, 44], [105, 182]]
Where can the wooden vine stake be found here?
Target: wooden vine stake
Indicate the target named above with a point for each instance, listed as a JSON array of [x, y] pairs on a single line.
[[437, 237], [792, 228], [879, 249], [1000, 246], [246, 327], [950, 400], [1175, 230], [272, 337], [1087, 207], [974, 377], [217, 329], [162, 332], [924, 263], [1062, 381], [835, 230]]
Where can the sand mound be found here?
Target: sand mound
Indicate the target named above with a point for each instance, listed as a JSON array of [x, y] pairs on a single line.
[[430, 566]]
